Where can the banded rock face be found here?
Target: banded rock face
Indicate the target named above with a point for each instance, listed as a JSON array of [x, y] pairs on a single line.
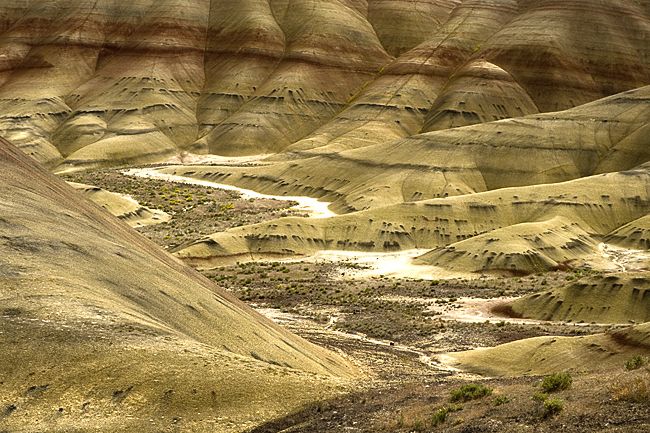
[[603, 136], [92, 83]]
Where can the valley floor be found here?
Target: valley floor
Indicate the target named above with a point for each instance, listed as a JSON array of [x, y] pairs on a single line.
[[394, 327]]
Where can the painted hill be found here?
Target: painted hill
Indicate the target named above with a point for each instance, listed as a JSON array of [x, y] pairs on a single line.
[[101, 83], [615, 298], [523, 229], [102, 330], [603, 136], [544, 355]]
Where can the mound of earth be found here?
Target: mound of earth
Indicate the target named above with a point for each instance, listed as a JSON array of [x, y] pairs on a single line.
[[544, 355], [635, 235], [122, 206], [102, 330], [615, 298], [521, 248]]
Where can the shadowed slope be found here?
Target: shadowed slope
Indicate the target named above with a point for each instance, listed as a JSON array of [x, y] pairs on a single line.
[[635, 235], [99, 320]]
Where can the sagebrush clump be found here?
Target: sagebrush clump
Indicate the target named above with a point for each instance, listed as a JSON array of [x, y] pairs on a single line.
[[470, 391], [556, 382]]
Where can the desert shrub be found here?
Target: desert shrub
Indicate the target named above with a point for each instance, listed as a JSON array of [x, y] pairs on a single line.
[[635, 362], [540, 397], [556, 382], [501, 399], [470, 391], [635, 390], [440, 416], [552, 406]]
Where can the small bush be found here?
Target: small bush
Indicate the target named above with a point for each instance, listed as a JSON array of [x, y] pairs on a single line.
[[501, 399], [636, 362], [552, 406], [556, 382], [470, 391], [540, 397], [440, 416]]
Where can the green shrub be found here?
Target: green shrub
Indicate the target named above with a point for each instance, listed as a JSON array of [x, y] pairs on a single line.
[[636, 362], [552, 406], [540, 397], [501, 399], [440, 416], [556, 382], [470, 391]]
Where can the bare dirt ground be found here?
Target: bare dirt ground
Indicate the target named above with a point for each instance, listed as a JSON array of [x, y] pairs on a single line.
[[393, 328]]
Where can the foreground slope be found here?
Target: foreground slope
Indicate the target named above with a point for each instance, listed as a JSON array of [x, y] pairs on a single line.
[[103, 330]]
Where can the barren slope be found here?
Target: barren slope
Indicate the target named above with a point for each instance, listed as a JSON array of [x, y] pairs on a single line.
[[594, 206], [103, 330], [603, 136], [616, 298], [544, 355]]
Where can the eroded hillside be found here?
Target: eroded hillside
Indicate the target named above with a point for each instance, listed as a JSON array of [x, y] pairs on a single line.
[[103, 82]]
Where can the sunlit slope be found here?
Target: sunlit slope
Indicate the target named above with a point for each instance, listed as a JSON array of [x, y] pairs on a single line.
[[522, 248], [603, 136], [544, 355], [594, 206], [101, 322], [634, 235], [96, 83], [616, 298]]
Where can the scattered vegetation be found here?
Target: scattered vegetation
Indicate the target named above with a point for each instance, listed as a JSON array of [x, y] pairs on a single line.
[[501, 400], [440, 415], [634, 389], [552, 407]]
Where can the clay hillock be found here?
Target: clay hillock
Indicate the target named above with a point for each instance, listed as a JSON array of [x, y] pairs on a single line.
[[614, 298]]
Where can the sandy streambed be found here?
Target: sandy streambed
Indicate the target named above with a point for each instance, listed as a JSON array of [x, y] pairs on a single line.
[[313, 207]]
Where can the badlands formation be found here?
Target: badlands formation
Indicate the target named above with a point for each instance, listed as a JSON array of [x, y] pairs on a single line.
[[499, 139]]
